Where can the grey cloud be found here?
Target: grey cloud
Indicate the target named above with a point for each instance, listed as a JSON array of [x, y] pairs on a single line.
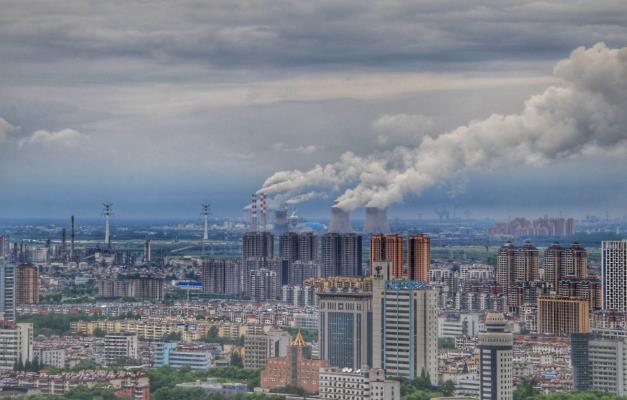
[[64, 138], [5, 129]]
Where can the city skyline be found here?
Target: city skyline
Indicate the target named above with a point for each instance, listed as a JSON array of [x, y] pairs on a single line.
[[174, 109]]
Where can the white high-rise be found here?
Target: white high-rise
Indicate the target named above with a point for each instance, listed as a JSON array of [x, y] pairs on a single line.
[[16, 344], [495, 350], [614, 274], [405, 326], [7, 291]]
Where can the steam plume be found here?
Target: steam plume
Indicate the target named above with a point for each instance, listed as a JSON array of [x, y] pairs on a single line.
[[583, 114]]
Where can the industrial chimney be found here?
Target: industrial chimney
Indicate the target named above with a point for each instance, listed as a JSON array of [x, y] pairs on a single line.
[[340, 222], [376, 220]]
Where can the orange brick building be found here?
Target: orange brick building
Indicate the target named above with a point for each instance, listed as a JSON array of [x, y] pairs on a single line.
[[295, 369], [387, 248]]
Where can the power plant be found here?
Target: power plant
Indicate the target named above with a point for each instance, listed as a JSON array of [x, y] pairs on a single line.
[[340, 221], [376, 220]]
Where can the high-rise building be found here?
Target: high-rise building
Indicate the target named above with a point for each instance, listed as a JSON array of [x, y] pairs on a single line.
[[345, 328], [564, 262], [221, 277], [7, 291], [263, 285], [562, 315], [258, 348], [590, 289], [405, 327], [418, 257], [300, 271], [579, 355], [307, 246], [614, 274], [341, 254], [16, 342], [148, 251], [257, 244], [515, 266], [5, 247], [387, 248], [289, 247], [495, 353], [598, 360], [26, 284]]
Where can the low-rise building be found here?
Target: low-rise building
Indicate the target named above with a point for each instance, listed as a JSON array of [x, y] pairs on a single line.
[[362, 384]]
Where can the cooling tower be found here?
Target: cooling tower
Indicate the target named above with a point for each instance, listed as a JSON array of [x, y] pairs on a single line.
[[280, 222], [376, 220], [340, 222]]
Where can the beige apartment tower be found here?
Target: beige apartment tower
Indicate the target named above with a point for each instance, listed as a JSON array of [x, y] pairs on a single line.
[[562, 315]]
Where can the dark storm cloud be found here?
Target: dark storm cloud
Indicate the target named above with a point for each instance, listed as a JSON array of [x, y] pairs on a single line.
[[297, 33]]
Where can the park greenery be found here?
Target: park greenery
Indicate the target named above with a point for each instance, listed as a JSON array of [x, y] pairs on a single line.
[[213, 337]]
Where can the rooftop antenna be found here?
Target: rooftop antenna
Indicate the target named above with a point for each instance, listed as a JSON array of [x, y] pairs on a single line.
[[107, 215], [205, 212]]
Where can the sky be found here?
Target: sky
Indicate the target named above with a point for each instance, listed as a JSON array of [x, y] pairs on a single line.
[[158, 107]]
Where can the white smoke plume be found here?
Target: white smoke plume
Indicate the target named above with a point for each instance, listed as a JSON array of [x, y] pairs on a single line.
[[585, 113]]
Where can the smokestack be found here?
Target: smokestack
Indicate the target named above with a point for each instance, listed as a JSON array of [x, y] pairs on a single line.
[[340, 222], [253, 213], [376, 220], [72, 238], [280, 221], [264, 211]]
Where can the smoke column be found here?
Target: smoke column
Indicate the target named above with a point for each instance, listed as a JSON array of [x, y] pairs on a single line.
[[583, 114]]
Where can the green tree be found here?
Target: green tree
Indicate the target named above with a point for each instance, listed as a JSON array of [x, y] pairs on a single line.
[[236, 360]]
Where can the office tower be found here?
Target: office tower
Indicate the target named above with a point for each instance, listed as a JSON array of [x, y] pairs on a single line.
[[564, 262], [590, 289], [580, 361], [257, 244], [361, 384], [7, 291], [344, 328], [405, 327], [387, 248], [221, 277], [16, 344], [296, 369], [560, 315], [598, 360], [307, 246], [263, 285], [341, 254], [26, 284], [614, 274], [120, 346], [259, 347], [495, 352], [289, 246], [418, 257]]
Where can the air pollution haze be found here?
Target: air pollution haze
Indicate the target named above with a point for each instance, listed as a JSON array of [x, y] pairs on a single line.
[[582, 114]]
